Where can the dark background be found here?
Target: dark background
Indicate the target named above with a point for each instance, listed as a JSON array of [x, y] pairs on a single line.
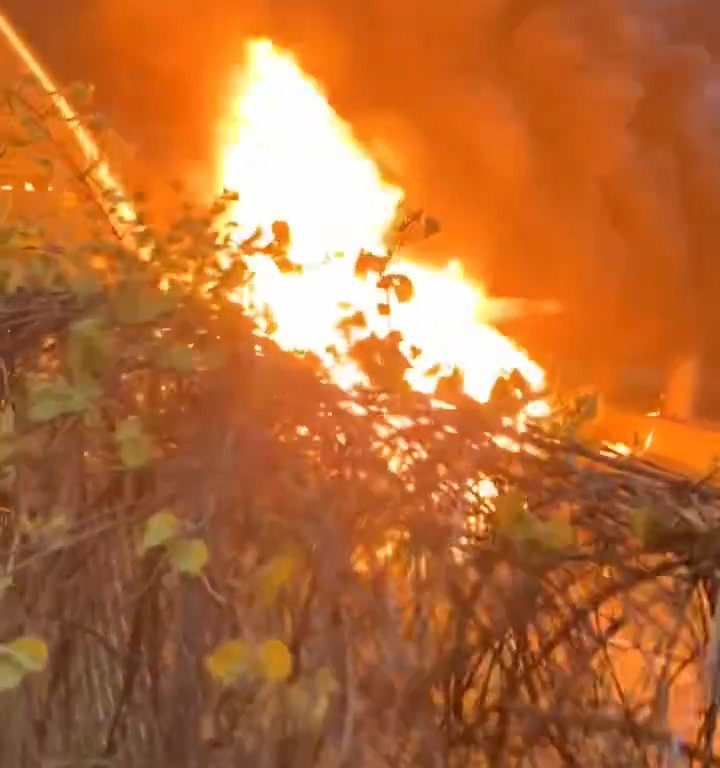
[[570, 147]]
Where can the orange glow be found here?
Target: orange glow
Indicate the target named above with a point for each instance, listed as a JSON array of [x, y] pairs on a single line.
[[120, 214], [290, 157]]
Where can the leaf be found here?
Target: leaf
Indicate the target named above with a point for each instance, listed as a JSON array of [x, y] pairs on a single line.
[[510, 513], [188, 555], [229, 661], [11, 673], [88, 348], [97, 122], [325, 680], [400, 285], [356, 320], [8, 438], [7, 420], [5, 583], [586, 408], [432, 226], [178, 358], [34, 130], [50, 398], [138, 301], [135, 446], [318, 712], [211, 359], [54, 531], [646, 525], [160, 529], [554, 534], [298, 701], [275, 660], [80, 94], [368, 262], [274, 576], [31, 653]]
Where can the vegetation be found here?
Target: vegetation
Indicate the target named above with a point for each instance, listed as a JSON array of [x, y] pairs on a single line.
[[213, 557]]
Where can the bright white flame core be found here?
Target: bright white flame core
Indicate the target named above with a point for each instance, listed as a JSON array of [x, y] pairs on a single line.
[[290, 157]]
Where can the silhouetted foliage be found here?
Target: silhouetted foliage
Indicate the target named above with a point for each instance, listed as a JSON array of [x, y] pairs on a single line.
[[211, 556]]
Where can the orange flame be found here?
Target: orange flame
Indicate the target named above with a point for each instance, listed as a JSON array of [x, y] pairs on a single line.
[[290, 157]]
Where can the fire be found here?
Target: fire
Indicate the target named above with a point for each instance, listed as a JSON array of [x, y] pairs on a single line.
[[291, 158]]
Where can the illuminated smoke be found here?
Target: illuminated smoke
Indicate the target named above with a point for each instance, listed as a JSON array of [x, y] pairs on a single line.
[[569, 146]]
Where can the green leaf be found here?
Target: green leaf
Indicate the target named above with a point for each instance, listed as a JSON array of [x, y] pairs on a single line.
[[136, 302], [275, 660], [179, 358], [135, 446], [11, 673], [160, 528], [229, 661], [50, 398], [88, 348], [553, 534], [188, 555]]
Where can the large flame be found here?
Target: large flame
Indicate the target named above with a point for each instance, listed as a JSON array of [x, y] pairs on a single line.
[[290, 157]]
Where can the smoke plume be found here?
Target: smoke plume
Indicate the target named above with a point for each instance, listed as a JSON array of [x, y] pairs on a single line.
[[570, 147]]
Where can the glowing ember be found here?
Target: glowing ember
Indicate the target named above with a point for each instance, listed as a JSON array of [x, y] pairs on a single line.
[[291, 158]]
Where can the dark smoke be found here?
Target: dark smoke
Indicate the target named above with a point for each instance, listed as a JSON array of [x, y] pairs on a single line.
[[571, 147]]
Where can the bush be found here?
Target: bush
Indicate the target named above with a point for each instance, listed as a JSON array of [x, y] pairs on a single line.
[[213, 557]]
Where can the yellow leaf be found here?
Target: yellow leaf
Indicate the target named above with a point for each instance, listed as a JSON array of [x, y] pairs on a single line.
[[229, 660], [31, 653], [274, 576], [135, 446], [11, 673], [188, 555], [160, 528], [275, 660]]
